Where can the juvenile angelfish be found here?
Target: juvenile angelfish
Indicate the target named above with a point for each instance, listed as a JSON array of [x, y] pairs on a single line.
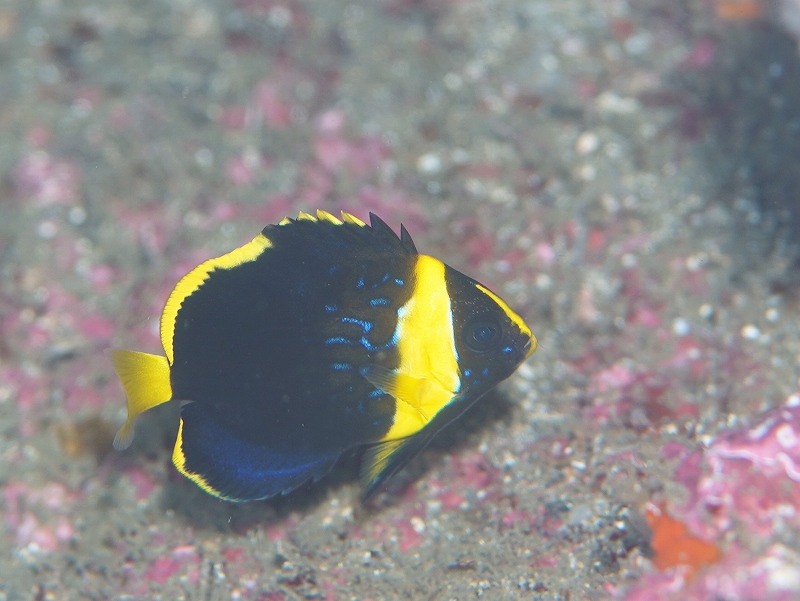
[[319, 335]]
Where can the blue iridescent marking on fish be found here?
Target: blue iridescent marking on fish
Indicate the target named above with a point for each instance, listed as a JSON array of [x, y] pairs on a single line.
[[485, 371], [376, 347], [375, 393], [360, 282], [341, 366], [398, 281], [379, 302], [366, 325], [339, 340], [508, 349], [467, 373], [382, 281], [331, 308]]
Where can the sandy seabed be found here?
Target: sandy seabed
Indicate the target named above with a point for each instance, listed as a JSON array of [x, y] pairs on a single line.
[[650, 449]]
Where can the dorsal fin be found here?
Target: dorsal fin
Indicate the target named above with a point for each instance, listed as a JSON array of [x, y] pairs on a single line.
[[377, 227], [405, 239], [381, 228]]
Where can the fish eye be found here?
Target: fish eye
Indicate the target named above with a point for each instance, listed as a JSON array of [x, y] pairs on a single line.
[[482, 334]]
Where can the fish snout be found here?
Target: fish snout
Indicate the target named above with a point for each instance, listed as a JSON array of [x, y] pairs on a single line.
[[529, 347]]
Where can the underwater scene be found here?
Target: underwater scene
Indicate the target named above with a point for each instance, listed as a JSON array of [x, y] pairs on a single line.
[[400, 299]]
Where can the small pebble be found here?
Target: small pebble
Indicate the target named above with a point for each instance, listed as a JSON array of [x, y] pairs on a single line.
[[680, 326], [429, 163], [750, 332], [587, 143], [544, 281], [76, 215], [706, 311], [280, 16], [47, 230]]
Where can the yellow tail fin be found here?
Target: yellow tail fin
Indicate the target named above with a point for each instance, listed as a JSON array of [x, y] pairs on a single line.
[[145, 379]]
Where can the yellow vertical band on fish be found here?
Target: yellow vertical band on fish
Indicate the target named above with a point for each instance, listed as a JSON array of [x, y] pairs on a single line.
[[427, 376]]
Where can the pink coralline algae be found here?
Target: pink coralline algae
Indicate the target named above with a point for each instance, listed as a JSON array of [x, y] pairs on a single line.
[[183, 559], [243, 168], [466, 477], [754, 476], [23, 508], [744, 489], [150, 225], [47, 179], [61, 315], [272, 108], [409, 533], [335, 151]]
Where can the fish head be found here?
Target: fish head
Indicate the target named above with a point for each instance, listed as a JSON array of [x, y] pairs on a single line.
[[491, 340]]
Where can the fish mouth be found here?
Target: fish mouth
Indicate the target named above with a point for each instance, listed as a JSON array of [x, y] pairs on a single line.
[[530, 346]]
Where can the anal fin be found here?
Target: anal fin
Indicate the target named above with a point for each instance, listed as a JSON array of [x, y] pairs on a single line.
[[384, 459], [232, 468]]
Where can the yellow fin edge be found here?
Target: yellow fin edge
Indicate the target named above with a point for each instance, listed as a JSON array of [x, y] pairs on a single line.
[[189, 284], [325, 216], [348, 218], [179, 460], [516, 319], [145, 379]]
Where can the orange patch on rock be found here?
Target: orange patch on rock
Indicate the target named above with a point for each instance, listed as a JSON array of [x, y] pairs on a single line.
[[674, 546]]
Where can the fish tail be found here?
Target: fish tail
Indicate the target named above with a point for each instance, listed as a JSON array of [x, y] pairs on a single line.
[[145, 379]]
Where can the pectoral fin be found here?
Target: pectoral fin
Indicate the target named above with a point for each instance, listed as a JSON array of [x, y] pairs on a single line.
[[419, 400], [403, 387]]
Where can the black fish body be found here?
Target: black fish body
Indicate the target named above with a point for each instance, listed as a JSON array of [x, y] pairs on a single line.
[[318, 336]]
